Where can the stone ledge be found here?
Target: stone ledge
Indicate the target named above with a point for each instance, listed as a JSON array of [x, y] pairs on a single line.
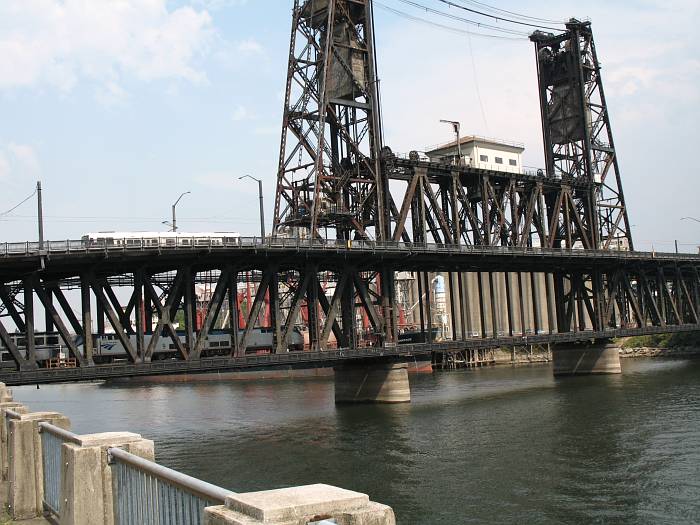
[[299, 506], [296, 502], [107, 439]]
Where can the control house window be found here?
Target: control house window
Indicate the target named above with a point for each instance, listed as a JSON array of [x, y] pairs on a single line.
[[484, 158], [513, 162], [499, 160]]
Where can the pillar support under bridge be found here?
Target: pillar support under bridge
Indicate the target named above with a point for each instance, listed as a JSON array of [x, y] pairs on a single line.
[[372, 382], [599, 357]]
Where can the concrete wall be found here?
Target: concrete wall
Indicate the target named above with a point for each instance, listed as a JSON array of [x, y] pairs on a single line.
[[88, 493]]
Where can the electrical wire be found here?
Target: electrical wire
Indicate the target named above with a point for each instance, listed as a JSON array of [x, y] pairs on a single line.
[[462, 19], [496, 17], [512, 13], [452, 29], [476, 83], [20, 204]]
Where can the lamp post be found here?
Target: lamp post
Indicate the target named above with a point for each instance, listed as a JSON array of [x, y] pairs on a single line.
[[262, 208], [690, 219], [174, 223], [457, 127]]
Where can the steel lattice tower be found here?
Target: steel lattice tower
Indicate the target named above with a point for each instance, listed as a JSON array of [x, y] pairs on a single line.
[[578, 138], [330, 175]]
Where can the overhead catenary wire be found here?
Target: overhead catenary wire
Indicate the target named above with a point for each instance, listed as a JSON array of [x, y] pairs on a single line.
[[511, 13], [451, 29], [497, 17], [464, 20]]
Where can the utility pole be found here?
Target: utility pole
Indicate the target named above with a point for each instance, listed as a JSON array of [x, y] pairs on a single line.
[[40, 215], [457, 128], [262, 207]]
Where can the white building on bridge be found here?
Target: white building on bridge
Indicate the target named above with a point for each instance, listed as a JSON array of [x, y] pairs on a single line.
[[481, 152]]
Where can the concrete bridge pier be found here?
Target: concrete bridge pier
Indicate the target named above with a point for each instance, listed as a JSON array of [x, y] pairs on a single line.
[[372, 382], [599, 357]]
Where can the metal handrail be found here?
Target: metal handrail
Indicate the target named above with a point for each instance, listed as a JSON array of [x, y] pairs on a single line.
[[11, 414], [65, 435], [78, 246], [172, 477]]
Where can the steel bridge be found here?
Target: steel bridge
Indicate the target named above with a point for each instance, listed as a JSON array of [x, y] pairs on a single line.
[[359, 235]]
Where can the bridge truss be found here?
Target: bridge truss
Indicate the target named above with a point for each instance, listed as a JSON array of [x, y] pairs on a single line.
[[496, 296]]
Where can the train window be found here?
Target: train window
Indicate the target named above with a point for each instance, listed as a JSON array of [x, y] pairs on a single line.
[[6, 356], [39, 341], [172, 346], [52, 340], [21, 341]]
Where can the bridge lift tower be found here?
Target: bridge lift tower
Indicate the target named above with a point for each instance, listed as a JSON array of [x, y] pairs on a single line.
[[330, 179], [578, 139], [330, 175]]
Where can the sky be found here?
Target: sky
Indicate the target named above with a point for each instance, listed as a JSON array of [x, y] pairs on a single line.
[[119, 106]]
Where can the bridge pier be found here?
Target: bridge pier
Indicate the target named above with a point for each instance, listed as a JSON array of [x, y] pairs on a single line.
[[601, 357], [372, 382]]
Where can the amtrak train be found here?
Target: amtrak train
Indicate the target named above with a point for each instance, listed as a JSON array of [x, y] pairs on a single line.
[[108, 348]]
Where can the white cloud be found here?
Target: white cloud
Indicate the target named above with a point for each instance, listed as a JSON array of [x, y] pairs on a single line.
[[250, 46], [241, 113], [23, 156], [111, 94], [18, 160], [213, 5], [58, 42]]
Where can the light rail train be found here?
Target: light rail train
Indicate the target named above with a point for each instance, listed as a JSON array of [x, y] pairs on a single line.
[[160, 239]]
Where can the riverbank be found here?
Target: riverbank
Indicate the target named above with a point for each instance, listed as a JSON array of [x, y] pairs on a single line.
[[521, 357], [681, 351], [524, 357]]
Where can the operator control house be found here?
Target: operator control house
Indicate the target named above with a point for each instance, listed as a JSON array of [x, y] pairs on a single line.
[[480, 152]]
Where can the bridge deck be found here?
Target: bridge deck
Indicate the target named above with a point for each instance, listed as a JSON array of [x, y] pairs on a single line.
[[68, 257]]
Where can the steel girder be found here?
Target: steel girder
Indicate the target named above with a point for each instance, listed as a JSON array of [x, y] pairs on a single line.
[[442, 204], [339, 303], [324, 302]]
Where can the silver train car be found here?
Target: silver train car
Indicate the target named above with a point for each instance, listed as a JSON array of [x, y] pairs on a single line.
[[109, 349], [47, 346]]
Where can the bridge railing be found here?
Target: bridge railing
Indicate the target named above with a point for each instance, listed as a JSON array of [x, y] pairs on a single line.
[[217, 243], [148, 493], [52, 439]]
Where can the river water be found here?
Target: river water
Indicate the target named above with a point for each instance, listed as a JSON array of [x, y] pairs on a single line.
[[495, 445]]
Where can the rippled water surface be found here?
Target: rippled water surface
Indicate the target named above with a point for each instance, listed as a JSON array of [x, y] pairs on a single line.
[[498, 445]]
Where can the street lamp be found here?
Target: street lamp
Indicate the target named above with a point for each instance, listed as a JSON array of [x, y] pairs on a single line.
[[457, 127], [262, 208], [174, 223]]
